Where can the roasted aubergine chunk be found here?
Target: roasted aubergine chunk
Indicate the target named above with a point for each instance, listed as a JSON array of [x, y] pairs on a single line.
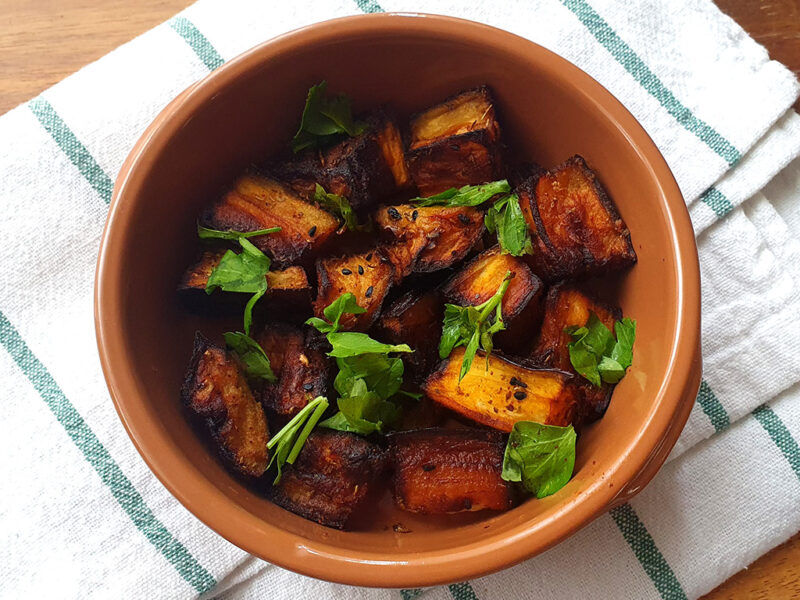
[[502, 393], [364, 169], [289, 287], [368, 276], [566, 306], [415, 319], [575, 227], [257, 202], [216, 391], [480, 279], [455, 143], [442, 235], [332, 475], [299, 364], [442, 471]]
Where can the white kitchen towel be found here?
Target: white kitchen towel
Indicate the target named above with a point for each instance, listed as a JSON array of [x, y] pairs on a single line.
[[82, 516]]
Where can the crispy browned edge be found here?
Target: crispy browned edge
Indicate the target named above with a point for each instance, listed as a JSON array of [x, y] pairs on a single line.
[[409, 448], [593, 401], [213, 422], [548, 261], [452, 289], [318, 488], [438, 374]]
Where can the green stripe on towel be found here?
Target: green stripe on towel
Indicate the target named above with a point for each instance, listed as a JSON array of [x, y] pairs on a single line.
[[462, 591], [71, 146], [197, 41], [780, 435], [713, 408], [95, 453], [648, 554], [625, 55], [369, 6], [412, 594], [717, 201]]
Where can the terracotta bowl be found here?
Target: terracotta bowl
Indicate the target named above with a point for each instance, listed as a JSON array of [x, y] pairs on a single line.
[[246, 111]]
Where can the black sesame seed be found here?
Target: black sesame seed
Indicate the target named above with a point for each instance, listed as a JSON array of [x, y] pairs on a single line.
[[517, 382], [467, 503], [312, 231], [455, 147], [414, 215], [308, 386], [463, 218], [368, 257], [346, 272], [520, 395], [393, 213], [428, 467], [360, 270], [368, 293]]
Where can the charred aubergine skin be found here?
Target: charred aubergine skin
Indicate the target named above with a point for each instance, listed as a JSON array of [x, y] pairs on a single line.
[[216, 391], [575, 227], [443, 471], [332, 475]]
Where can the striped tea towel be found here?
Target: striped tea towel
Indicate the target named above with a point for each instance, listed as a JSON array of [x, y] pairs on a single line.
[[81, 515]]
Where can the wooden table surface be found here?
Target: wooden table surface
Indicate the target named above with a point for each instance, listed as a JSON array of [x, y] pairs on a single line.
[[43, 41]]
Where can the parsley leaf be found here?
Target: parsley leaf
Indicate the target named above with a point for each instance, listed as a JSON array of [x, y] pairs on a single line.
[[596, 355], [351, 343], [542, 457], [325, 119], [290, 439], [506, 218], [338, 205], [231, 234], [251, 355], [245, 272], [344, 304], [367, 375], [362, 411], [473, 327], [468, 195]]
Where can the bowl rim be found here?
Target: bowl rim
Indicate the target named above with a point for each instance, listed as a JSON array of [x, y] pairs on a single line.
[[624, 478]]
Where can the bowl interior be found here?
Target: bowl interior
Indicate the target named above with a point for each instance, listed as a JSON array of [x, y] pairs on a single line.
[[549, 111]]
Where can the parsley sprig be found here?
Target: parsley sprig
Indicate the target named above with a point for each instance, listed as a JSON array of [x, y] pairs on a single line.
[[473, 327], [205, 233], [325, 120], [338, 206], [468, 195], [290, 439], [505, 217], [596, 355], [368, 376], [541, 457]]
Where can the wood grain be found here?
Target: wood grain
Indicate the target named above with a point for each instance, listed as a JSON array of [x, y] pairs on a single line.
[[43, 41]]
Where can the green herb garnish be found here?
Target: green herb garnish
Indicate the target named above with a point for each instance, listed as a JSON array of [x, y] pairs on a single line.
[[205, 233], [325, 120], [245, 272], [251, 355], [367, 375], [596, 355], [468, 195], [473, 327], [506, 218], [542, 457], [291, 438], [344, 304], [337, 205]]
